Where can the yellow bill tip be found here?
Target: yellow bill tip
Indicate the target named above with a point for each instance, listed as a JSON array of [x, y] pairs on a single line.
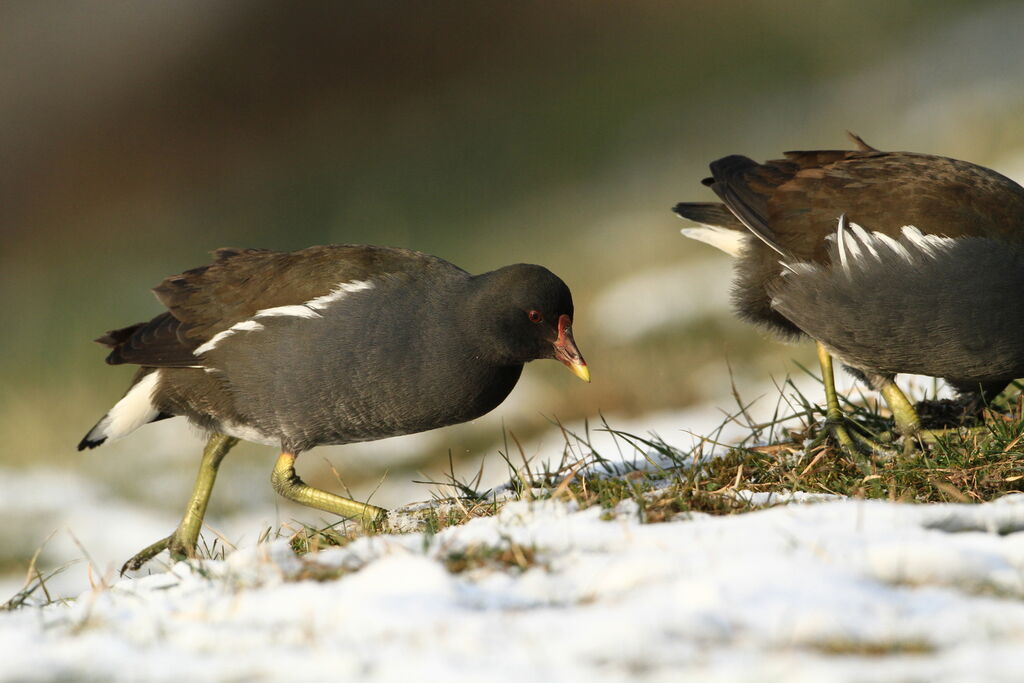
[[580, 370]]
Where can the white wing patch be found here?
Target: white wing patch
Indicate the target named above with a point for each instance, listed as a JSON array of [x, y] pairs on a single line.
[[732, 242], [310, 309]]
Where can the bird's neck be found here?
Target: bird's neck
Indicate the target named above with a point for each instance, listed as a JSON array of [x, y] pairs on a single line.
[[480, 322]]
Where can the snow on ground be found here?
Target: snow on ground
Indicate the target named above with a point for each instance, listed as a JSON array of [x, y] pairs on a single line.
[[818, 589], [90, 519], [834, 591]]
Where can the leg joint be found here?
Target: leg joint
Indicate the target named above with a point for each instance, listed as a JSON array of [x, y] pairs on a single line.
[[284, 479]]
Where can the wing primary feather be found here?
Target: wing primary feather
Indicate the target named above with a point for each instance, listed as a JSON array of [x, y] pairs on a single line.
[[732, 183], [747, 217]]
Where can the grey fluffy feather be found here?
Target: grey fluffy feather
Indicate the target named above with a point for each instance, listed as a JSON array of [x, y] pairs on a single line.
[[952, 313]]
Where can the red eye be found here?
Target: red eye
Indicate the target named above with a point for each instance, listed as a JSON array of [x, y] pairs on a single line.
[[536, 317]]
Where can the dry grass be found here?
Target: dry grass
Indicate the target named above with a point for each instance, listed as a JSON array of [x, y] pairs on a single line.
[[969, 464]]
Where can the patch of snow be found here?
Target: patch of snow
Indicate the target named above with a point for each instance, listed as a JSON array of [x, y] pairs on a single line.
[[83, 514], [769, 498], [779, 594]]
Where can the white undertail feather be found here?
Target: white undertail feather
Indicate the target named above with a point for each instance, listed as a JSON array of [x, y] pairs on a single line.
[[310, 309], [732, 242], [130, 413]]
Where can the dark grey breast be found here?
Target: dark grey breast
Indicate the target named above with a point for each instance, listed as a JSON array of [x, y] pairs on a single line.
[[326, 345]]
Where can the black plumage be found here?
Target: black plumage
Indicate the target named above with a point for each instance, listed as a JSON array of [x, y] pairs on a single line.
[[336, 344]]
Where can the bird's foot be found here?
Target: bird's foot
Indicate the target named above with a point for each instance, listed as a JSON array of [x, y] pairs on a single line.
[[840, 434], [178, 549], [850, 438]]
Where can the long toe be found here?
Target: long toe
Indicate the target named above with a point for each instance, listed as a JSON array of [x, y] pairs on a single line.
[[145, 555]]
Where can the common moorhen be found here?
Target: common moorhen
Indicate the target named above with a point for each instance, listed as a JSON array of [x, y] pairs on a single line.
[[894, 262], [329, 345]]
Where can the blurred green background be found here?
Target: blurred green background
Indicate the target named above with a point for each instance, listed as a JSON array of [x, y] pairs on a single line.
[[137, 137]]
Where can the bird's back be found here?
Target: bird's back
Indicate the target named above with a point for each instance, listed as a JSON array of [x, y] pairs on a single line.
[[796, 200], [792, 205], [388, 360]]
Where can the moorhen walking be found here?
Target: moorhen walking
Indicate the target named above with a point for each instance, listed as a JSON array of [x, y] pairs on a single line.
[[329, 345], [894, 262]]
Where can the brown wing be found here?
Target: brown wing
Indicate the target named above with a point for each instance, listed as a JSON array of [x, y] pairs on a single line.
[[159, 343], [796, 200], [746, 187], [240, 282]]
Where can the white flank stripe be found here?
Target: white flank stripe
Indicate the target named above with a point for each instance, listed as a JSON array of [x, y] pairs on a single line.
[[131, 412], [732, 242], [852, 243], [929, 244], [244, 326], [896, 247], [841, 243], [339, 292], [299, 311], [864, 239], [310, 309], [799, 268]]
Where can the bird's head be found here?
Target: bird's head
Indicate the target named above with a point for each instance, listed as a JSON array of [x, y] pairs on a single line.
[[528, 312]]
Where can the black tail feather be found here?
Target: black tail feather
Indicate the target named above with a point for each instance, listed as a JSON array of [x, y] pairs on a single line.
[[88, 443], [708, 213]]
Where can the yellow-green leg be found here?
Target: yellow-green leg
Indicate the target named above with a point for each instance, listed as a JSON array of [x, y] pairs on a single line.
[[903, 412], [182, 543], [287, 483], [833, 413], [904, 415]]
